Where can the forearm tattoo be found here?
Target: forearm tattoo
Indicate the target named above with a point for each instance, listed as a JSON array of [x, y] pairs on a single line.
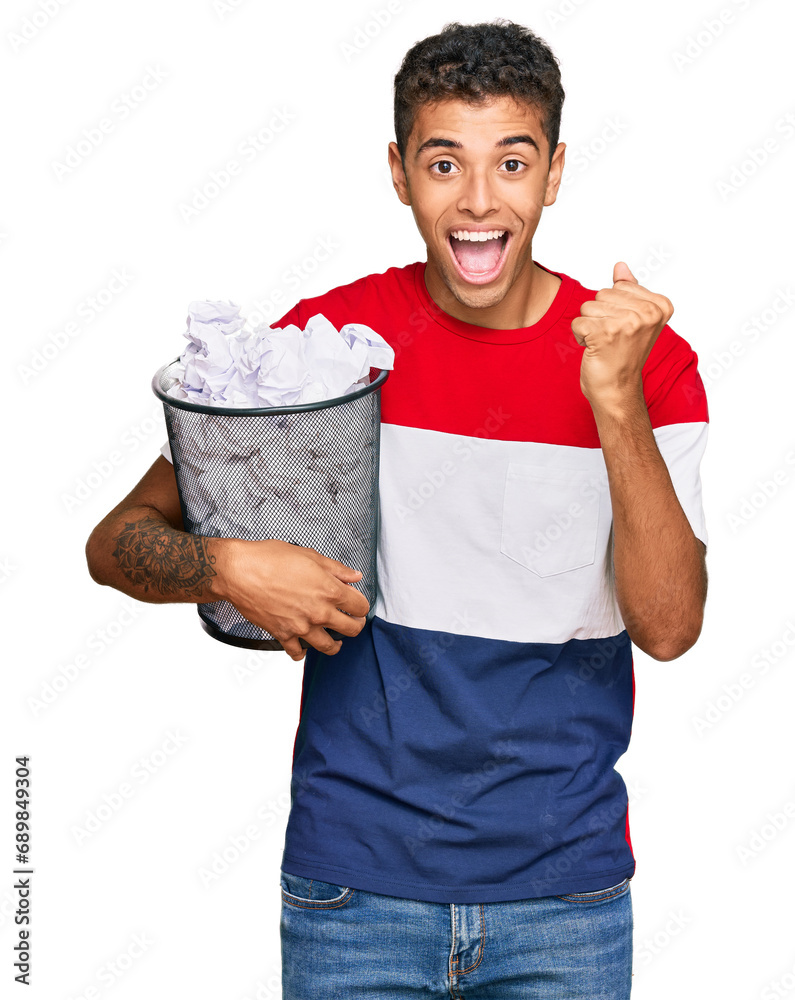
[[152, 553]]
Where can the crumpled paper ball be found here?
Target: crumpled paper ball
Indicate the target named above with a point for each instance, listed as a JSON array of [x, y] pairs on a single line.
[[227, 363]]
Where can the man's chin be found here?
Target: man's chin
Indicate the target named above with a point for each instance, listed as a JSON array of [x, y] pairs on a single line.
[[470, 295], [479, 298]]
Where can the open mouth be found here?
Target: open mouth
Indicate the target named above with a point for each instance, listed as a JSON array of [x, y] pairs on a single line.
[[479, 257]]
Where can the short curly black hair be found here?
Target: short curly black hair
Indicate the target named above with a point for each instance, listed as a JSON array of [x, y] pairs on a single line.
[[473, 62]]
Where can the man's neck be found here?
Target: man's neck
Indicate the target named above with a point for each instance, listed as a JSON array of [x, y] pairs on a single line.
[[524, 305]]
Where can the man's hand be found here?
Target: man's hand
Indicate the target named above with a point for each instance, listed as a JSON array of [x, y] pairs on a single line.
[[618, 329], [291, 591]]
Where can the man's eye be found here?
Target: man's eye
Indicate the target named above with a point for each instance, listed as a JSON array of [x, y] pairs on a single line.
[[445, 166], [513, 166]]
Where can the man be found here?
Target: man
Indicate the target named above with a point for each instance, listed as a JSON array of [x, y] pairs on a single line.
[[457, 823]]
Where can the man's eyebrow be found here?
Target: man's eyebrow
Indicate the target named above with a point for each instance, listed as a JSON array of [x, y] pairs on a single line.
[[434, 142], [510, 140]]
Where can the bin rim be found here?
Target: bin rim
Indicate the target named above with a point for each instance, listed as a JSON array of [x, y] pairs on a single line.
[[260, 411]]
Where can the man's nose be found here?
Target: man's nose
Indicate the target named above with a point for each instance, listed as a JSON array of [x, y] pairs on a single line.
[[478, 195]]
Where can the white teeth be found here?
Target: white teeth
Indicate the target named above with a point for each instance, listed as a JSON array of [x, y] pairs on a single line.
[[475, 237]]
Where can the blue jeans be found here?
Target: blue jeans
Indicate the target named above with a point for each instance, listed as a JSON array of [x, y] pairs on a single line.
[[345, 943]]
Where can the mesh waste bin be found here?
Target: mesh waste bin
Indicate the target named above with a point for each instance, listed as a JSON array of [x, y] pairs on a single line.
[[305, 474]]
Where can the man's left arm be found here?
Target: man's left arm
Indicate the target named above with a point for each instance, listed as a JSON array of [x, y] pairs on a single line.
[[659, 563]]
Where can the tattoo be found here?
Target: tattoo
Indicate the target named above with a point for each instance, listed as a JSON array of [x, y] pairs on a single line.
[[150, 552]]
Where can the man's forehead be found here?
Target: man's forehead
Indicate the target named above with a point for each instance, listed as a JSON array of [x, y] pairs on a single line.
[[483, 120]]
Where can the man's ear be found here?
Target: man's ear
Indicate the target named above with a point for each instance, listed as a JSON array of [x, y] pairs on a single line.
[[399, 181], [555, 174]]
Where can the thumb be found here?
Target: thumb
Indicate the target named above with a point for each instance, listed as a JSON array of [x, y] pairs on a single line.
[[621, 272]]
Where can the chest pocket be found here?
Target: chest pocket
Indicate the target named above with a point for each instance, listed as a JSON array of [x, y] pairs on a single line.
[[550, 517]]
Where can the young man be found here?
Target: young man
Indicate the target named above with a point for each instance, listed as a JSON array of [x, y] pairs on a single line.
[[457, 824]]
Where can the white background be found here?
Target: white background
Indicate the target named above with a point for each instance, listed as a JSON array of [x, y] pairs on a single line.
[[715, 873]]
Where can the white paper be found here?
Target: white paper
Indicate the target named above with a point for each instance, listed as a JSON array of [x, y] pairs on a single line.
[[227, 363]]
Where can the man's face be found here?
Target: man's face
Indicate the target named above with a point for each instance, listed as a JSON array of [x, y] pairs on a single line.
[[477, 170]]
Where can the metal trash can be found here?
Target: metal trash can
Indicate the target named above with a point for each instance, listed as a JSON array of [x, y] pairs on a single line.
[[305, 474]]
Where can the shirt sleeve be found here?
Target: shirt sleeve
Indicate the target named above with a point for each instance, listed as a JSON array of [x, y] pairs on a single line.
[[291, 316], [677, 405]]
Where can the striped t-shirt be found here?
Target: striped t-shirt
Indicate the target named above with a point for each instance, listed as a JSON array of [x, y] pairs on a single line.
[[461, 747]]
